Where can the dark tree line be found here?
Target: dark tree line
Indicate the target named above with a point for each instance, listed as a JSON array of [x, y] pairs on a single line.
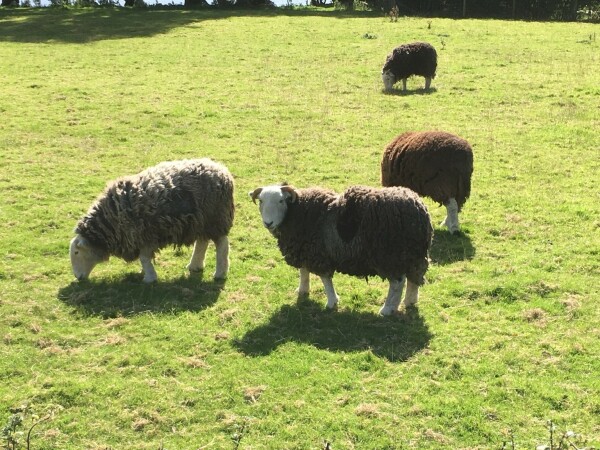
[[505, 9], [517, 9]]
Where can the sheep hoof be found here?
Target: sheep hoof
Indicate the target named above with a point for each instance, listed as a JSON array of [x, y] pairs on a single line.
[[453, 229], [302, 294], [149, 279], [195, 269], [219, 276], [333, 307], [386, 311]]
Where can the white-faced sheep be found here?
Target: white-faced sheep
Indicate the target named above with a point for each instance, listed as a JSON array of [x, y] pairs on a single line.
[[434, 164], [362, 232], [173, 203], [416, 58]]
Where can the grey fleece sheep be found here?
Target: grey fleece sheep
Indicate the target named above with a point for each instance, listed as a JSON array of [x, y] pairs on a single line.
[[434, 164], [177, 202], [362, 232], [416, 58]]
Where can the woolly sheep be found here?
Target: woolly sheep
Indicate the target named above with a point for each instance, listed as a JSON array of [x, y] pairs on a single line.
[[176, 202], [362, 232], [434, 164], [416, 58]]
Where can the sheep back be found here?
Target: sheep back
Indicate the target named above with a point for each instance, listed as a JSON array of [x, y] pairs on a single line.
[[173, 202], [416, 58], [434, 164], [362, 232]]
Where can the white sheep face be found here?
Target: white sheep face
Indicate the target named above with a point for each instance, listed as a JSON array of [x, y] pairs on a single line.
[[273, 206], [83, 259], [388, 79]]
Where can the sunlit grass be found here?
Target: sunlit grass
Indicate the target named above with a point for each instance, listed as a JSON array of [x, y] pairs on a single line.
[[506, 335]]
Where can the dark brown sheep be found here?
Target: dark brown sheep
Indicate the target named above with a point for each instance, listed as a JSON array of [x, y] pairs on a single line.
[[434, 164], [416, 58], [362, 232]]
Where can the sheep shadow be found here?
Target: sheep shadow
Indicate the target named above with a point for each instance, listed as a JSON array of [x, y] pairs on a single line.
[[408, 92], [396, 338], [129, 296], [448, 248]]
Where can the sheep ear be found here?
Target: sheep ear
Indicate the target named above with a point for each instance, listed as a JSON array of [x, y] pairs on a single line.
[[255, 193], [291, 192]]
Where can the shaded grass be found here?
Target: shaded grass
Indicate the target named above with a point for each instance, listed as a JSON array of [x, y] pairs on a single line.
[[396, 339], [506, 332]]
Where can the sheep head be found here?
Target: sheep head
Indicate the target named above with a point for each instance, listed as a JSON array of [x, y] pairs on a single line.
[[83, 257], [273, 203], [388, 79]]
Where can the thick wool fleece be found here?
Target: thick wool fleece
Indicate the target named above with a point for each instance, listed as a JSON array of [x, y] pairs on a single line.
[[416, 58], [362, 232], [434, 164], [174, 202]]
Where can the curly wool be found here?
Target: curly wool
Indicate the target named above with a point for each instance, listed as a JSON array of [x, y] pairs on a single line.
[[434, 164], [362, 232], [173, 202], [416, 58]]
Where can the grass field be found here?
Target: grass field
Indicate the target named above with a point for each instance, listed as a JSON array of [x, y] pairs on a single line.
[[507, 332]]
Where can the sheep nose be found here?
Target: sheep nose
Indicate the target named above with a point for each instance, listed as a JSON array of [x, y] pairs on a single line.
[[268, 224]]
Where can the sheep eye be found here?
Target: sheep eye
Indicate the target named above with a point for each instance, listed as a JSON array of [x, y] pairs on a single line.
[[76, 252]]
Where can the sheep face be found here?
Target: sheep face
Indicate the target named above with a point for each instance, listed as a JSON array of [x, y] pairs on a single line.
[[273, 203], [388, 79], [83, 258]]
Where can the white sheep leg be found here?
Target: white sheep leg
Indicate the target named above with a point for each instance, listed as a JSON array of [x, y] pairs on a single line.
[[304, 287], [404, 84], [197, 261], [222, 268], [392, 302], [332, 297], [412, 293], [451, 220], [147, 267], [427, 82]]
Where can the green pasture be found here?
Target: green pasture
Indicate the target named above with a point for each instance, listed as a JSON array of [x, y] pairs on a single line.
[[506, 335]]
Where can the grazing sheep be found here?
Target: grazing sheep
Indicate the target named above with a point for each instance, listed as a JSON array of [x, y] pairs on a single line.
[[416, 58], [434, 164], [362, 232], [177, 202]]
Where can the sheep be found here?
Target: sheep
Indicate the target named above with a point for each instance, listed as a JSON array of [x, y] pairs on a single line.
[[416, 58], [175, 202], [434, 164], [362, 232]]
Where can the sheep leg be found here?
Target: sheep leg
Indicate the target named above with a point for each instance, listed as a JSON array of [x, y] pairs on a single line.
[[197, 262], [392, 302], [222, 268], [427, 83], [304, 287], [147, 267], [412, 294], [451, 220], [332, 297], [404, 84]]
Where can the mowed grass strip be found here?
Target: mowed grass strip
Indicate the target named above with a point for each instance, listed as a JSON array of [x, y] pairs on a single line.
[[506, 334]]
